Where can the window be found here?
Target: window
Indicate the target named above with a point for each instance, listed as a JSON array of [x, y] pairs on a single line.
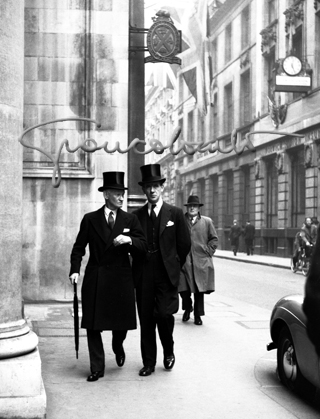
[[228, 108], [298, 192], [245, 98], [245, 27], [215, 116], [246, 195], [228, 43], [214, 66], [271, 11], [270, 62], [272, 194], [215, 194], [202, 190], [229, 198]]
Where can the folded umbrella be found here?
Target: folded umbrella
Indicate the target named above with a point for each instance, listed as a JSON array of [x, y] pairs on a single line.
[[76, 318]]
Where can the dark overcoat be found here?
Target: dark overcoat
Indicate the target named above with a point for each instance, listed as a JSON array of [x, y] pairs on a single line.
[[174, 241], [108, 300], [198, 268]]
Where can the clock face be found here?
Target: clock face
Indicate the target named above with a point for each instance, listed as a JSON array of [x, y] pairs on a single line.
[[292, 65]]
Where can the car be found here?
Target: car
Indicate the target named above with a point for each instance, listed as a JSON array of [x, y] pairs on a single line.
[[298, 364]]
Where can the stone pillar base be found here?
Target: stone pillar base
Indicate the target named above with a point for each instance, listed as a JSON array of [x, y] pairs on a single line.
[[22, 393]]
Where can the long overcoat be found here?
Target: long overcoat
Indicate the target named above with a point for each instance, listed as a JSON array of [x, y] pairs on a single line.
[[108, 299], [198, 268]]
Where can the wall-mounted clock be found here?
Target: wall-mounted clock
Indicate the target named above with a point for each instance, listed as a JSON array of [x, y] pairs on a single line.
[[292, 65]]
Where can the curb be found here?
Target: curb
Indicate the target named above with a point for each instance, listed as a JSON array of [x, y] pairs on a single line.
[[255, 262]]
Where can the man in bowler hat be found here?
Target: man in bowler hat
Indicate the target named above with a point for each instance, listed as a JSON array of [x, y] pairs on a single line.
[[197, 274], [157, 273], [108, 299]]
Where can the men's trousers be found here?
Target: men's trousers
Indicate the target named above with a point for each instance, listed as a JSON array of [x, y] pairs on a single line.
[[198, 302], [96, 351], [157, 301]]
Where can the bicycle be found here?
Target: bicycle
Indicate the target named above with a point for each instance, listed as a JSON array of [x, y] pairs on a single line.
[[304, 259]]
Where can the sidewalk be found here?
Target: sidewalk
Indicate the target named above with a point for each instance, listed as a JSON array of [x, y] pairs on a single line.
[[222, 371], [256, 259]]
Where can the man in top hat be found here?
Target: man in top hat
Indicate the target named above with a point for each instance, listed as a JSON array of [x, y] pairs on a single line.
[[157, 273], [197, 274], [108, 299]]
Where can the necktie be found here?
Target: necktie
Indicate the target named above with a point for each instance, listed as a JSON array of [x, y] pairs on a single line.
[[153, 214], [111, 220]]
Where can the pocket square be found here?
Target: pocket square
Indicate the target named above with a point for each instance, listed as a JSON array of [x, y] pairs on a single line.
[[169, 223], [126, 230]]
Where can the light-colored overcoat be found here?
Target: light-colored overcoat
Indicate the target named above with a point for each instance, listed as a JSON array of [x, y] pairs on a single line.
[[198, 268]]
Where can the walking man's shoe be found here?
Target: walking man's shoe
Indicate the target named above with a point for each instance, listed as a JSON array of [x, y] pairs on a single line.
[[197, 321], [169, 361], [186, 315], [94, 376], [120, 358], [145, 371]]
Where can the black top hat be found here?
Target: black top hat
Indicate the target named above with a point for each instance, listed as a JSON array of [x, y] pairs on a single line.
[[112, 180], [151, 173], [193, 200]]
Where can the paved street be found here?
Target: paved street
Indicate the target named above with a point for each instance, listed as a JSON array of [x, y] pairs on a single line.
[[222, 370]]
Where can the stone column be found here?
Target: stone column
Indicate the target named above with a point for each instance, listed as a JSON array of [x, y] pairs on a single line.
[[20, 366]]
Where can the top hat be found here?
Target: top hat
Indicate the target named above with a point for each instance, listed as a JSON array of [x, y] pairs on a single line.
[[151, 173], [112, 180], [193, 200]]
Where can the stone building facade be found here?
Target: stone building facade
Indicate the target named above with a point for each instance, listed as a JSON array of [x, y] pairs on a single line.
[[76, 64], [277, 184]]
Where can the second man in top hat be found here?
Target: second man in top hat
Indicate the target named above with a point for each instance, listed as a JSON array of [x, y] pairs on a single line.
[[157, 273]]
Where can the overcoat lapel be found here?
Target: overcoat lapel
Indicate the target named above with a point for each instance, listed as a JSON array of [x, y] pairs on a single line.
[[99, 222], [144, 218], [165, 217]]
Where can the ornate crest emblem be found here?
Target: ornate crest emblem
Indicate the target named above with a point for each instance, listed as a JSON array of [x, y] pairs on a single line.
[[163, 40]]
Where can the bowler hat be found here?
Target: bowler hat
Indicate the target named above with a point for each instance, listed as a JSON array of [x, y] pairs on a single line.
[[193, 200], [151, 173], [112, 180]]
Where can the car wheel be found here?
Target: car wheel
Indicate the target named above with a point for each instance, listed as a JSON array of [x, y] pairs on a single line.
[[288, 368], [293, 266]]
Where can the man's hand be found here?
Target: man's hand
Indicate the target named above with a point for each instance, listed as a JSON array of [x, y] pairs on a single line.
[[121, 239], [74, 279]]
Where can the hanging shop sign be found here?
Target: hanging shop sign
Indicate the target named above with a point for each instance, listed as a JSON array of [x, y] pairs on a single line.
[[292, 75], [163, 40]]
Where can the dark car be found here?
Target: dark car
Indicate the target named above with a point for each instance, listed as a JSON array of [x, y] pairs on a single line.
[[297, 360]]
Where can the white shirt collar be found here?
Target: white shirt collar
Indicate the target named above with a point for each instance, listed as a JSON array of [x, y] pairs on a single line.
[[107, 212], [157, 207]]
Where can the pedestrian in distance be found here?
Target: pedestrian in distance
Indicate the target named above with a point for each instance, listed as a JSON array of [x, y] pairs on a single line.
[[234, 236], [108, 298], [197, 274], [157, 273], [249, 234]]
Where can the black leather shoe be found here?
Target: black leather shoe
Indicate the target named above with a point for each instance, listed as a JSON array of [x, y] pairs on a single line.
[[146, 371], [198, 321], [94, 376], [120, 359], [186, 315], [169, 361]]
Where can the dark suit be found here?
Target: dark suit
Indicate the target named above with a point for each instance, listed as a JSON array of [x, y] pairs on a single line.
[[157, 277], [108, 300]]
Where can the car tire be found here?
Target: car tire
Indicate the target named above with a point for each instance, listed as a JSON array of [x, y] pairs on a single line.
[[288, 368], [293, 266]]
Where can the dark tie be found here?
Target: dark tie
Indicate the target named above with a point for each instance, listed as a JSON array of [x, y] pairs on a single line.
[[153, 214], [111, 220]]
